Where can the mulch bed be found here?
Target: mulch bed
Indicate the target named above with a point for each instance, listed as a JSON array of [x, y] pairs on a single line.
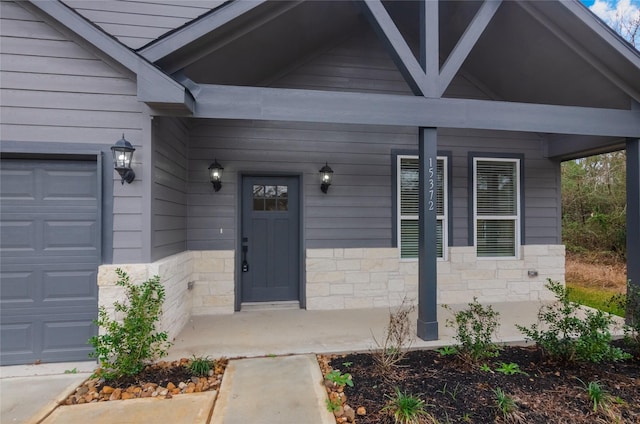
[[457, 392]]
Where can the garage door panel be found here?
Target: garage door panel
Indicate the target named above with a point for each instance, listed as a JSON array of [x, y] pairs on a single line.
[[17, 235], [64, 332], [17, 338], [18, 288], [56, 285], [16, 184], [50, 247], [65, 185], [76, 235], [69, 287]]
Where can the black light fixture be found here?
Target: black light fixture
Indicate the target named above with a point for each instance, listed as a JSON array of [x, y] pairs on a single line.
[[122, 155], [326, 174], [215, 175]]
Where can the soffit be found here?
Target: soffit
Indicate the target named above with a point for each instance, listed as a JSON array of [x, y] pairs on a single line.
[[537, 52]]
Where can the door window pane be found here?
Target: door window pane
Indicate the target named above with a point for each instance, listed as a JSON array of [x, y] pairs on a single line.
[[270, 198]]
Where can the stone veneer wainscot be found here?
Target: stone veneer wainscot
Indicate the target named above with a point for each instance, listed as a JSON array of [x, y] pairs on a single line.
[[368, 278]]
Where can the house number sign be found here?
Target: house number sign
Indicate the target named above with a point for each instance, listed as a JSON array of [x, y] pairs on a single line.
[[431, 183]]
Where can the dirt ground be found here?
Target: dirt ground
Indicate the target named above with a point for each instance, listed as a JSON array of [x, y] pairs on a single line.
[[596, 271]]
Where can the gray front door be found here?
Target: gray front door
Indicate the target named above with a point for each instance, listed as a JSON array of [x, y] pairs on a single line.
[[50, 248], [270, 250]]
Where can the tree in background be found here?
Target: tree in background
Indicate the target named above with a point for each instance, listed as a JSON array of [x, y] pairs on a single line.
[[621, 15], [594, 204]]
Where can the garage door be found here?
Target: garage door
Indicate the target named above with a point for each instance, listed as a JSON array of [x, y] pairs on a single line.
[[50, 252]]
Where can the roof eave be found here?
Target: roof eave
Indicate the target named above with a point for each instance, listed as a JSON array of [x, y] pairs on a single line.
[[165, 90]]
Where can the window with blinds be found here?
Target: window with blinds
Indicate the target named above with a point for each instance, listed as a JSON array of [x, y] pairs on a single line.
[[408, 193], [497, 207]]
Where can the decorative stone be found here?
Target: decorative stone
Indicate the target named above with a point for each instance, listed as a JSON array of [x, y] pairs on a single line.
[[127, 395], [339, 412], [195, 380], [116, 395], [349, 413], [107, 390], [171, 386], [182, 385]]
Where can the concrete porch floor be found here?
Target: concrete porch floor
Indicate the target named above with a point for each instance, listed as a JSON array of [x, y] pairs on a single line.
[[297, 331]]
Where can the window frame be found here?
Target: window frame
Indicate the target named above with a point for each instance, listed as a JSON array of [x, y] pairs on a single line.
[[444, 218], [517, 219]]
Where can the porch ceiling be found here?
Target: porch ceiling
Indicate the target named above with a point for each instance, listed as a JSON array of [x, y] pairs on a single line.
[[531, 52]]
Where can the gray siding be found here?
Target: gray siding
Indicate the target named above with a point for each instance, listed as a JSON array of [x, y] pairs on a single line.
[[357, 211], [169, 190], [54, 90], [138, 22], [361, 64]]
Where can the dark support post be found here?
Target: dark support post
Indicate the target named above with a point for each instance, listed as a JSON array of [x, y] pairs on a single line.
[[427, 248], [633, 214]]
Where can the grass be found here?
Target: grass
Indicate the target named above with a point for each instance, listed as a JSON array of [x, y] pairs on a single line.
[[594, 297], [593, 280]]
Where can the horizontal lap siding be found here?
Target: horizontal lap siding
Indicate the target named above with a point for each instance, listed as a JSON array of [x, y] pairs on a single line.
[[169, 201], [54, 90], [136, 23], [356, 212], [359, 64]]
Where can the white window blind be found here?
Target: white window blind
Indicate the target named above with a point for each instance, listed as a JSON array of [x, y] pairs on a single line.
[[408, 203], [497, 207]]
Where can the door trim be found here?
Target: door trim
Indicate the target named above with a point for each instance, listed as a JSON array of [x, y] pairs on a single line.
[[238, 244]]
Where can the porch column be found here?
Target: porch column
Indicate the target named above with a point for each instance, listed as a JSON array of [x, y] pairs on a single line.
[[633, 212], [427, 249]]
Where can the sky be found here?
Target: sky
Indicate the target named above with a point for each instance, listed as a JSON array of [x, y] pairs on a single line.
[[608, 9]]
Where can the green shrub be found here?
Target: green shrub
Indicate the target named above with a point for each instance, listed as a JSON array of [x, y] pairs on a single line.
[[406, 408], [475, 328], [200, 366], [340, 379], [127, 346], [507, 406], [563, 335], [630, 303]]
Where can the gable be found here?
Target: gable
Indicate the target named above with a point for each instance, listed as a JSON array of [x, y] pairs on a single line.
[[52, 86], [360, 63], [138, 22]]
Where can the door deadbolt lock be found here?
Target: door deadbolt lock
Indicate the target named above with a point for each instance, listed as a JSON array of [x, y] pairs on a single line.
[[245, 266]]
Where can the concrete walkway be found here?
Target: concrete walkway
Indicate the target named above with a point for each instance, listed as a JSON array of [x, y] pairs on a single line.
[[260, 390], [273, 390]]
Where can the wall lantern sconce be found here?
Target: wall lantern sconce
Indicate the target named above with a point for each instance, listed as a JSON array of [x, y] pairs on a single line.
[[215, 175], [326, 174], [122, 154]]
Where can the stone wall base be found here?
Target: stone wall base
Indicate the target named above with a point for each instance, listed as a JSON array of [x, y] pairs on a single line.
[[368, 278], [343, 279], [211, 274]]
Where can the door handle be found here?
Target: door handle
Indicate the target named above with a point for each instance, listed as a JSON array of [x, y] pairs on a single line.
[[245, 264]]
